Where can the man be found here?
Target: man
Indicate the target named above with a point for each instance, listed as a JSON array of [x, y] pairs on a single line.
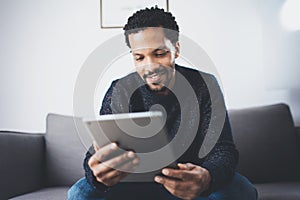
[[152, 35]]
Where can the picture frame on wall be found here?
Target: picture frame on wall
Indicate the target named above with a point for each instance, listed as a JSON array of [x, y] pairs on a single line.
[[114, 13]]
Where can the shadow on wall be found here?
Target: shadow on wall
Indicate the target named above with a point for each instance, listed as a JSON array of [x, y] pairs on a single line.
[[294, 98], [293, 61], [281, 49]]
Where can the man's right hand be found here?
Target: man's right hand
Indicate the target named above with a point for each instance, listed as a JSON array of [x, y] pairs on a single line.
[[103, 169]]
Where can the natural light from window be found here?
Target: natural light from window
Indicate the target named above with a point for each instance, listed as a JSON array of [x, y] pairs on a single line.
[[290, 15]]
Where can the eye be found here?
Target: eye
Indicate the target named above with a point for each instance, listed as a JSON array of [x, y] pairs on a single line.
[[139, 58], [161, 53]]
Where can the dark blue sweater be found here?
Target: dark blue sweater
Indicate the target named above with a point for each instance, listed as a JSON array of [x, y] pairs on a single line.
[[220, 162]]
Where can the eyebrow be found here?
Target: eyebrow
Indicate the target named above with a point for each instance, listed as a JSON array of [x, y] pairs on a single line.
[[162, 47]]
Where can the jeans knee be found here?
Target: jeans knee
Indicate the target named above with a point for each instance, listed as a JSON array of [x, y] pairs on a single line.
[[82, 190], [245, 187], [78, 190], [240, 188], [74, 190], [71, 194]]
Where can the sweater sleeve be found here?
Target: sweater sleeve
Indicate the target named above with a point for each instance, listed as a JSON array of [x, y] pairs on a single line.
[[91, 179], [222, 159]]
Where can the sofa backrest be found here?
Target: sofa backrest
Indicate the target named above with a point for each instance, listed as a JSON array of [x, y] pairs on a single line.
[[265, 137], [65, 151], [267, 142]]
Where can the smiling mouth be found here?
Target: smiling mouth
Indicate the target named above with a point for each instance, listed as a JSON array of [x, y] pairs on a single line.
[[155, 77]]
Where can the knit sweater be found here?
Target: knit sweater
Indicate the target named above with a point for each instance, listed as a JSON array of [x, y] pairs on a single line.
[[131, 94]]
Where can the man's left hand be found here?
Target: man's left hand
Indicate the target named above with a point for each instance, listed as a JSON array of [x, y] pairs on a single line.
[[187, 182]]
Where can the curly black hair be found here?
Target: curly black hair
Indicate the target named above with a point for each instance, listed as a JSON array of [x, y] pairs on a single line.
[[152, 17]]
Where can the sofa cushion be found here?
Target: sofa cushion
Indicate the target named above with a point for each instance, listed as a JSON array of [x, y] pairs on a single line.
[[55, 193], [278, 191], [267, 142], [21, 162], [64, 150]]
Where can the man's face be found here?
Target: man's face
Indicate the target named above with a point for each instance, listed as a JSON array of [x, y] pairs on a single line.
[[154, 57]]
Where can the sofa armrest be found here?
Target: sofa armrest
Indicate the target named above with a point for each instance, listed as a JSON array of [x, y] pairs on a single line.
[[266, 139], [298, 134], [22, 160]]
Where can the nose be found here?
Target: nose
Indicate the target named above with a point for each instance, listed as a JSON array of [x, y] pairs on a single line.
[[151, 64]]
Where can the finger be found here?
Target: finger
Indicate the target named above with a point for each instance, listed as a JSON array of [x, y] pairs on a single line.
[[172, 183], [186, 166], [173, 186], [101, 169], [130, 166], [116, 176], [125, 168], [111, 164], [181, 166], [176, 187], [102, 153], [115, 180], [178, 173]]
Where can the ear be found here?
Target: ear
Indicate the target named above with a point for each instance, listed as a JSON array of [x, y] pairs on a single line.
[[177, 49]]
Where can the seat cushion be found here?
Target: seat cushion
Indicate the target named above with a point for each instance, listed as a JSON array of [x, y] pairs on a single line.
[[54, 193], [278, 191], [267, 141]]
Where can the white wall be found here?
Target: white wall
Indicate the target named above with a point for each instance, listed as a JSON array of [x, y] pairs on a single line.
[[44, 44]]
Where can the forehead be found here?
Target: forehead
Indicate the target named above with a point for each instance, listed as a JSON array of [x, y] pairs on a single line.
[[153, 38]]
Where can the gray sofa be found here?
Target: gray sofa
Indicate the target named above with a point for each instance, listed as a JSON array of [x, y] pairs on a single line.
[[44, 166]]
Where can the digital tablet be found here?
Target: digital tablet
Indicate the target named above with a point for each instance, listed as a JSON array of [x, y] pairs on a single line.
[[142, 132]]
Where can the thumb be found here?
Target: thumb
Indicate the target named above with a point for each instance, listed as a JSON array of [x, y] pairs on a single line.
[[96, 147]]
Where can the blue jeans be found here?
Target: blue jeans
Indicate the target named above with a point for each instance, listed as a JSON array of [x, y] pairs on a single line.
[[239, 189]]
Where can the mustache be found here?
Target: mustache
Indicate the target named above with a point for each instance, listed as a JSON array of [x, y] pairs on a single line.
[[156, 71]]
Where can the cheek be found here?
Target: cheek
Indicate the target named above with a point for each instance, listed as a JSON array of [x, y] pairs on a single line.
[[140, 71], [140, 66], [170, 59], [165, 61]]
